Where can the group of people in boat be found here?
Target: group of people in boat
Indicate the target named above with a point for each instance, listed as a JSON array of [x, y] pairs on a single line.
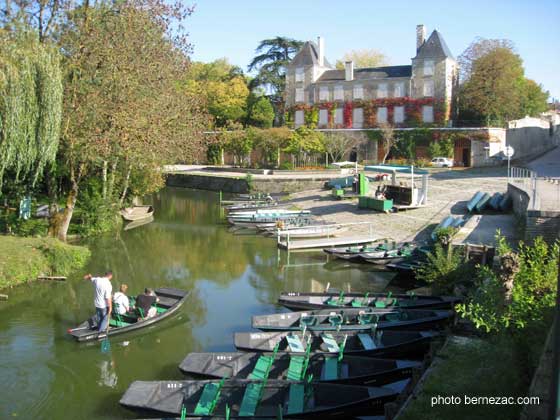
[[106, 303]]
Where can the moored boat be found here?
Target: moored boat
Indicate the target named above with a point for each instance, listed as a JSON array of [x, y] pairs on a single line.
[[250, 399], [354, 319], [327, 368], [301, 301], [383, 343], [135, 213], [170, 300], [353, 253]]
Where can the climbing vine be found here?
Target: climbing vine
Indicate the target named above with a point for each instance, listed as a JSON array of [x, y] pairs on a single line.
[[30, 105]]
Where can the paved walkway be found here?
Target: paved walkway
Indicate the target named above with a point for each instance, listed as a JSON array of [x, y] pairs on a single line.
[[548, 166]]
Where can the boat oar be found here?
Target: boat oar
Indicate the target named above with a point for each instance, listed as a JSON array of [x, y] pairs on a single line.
[[105, 344]]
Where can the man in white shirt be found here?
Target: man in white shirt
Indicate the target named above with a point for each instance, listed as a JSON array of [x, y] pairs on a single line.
[[102, 300], [120, 299]]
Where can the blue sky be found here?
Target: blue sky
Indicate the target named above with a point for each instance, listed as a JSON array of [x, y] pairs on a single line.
[[233, 29]]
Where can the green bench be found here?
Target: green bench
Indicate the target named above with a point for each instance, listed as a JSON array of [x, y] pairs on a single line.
[[294, 343], [357, 303], [298, 366], [330, 368], [209, 398], [296, 398], [251, 398], [367, 341], [330, 342], [263, 365]]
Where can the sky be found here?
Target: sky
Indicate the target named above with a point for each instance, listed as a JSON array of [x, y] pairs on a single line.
[[233, 29]]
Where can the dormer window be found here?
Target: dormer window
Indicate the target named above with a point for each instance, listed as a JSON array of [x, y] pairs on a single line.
[[300, 74], [428, 67]]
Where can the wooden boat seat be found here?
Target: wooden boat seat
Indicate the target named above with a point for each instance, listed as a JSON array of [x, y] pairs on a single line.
[[296, 398], [367, 341], [251, 399], [209, 398], [295, 343], [331, 343], [330, 368]]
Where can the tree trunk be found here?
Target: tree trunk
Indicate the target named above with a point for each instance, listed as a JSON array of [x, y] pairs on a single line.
[[125, 188], [66, 215], [111, 183], [104, 178]]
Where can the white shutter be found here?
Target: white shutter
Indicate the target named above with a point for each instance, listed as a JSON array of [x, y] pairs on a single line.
[[299, 118], [382, 90], [357, 118], [398, 114], [339, 93], [428, 113], [381, 115], [358, 92], [323, 117], [338, 116], [299, 94]]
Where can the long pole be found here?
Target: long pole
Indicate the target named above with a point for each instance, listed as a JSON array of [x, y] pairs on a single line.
[[554, 409]]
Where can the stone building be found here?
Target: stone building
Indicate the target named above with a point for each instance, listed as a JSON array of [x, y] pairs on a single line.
[[406, 95]]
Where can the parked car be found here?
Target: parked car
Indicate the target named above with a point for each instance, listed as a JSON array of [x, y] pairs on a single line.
[[442, 162]]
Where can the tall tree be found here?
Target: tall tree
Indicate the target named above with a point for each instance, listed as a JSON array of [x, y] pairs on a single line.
[[363, 58], [477, 49], [30, 104], [273, 55], [534, 98], [260, 112]]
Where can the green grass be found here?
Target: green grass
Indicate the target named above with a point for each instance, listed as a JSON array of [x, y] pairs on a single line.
[[23, 259], [471, 367]]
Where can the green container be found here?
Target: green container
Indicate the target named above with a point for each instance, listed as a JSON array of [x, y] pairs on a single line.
[[363, 202], [337, 192], [380, 205]]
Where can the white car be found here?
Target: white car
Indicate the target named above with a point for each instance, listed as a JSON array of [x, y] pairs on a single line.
[[442, 162]]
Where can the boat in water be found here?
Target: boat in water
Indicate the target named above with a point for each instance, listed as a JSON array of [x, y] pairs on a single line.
[[354, 319], [264, 399], [298, 301], [132, 214], [326, 368], [170, 300], [382, 343]]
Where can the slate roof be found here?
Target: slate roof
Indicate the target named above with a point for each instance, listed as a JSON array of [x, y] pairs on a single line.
[[308, 55], [434, 47], [367, 73]]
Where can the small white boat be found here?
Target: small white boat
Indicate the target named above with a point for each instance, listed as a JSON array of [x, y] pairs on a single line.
[[266, 212], [137, 213], [318, 231]]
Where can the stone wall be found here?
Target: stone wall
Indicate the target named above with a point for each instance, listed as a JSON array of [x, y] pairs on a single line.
[[530, 142]]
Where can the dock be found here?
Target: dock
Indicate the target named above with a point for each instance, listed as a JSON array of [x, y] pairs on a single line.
[[326, 242]]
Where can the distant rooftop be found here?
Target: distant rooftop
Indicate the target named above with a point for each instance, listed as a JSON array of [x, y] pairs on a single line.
[[308, 55], [434, 47], [367, 73]]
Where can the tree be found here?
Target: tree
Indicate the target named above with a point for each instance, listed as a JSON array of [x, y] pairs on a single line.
[[534, 98], [339, 145], [273, 55], [389, 139], [224, 88], [363, 58], [270, 142], [477, 49], [304, 142], [30, 104], [238, 142], [261, 112]]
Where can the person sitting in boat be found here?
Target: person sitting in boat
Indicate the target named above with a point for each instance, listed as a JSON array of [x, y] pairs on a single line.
[[102, 301], [144, 304], [120, 300]]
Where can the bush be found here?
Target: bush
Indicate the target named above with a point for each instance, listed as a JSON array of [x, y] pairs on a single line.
[[11, 224], [287, 166]]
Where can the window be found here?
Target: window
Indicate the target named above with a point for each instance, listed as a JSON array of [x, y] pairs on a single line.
[[300, 75], [358, 92], [399, 90], [382, 90], [428, 113], [428, 88], [299, 94], [323, 117], [428, 67], [381, 115], [338, 116], [398, 114], [358, 118], [339, 93], [298, 118], [324, 93]]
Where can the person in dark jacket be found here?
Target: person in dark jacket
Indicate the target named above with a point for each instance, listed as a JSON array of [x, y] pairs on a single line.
[[144, 304]]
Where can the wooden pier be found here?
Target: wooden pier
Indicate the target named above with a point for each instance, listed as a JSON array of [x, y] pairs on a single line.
[[326, 242]]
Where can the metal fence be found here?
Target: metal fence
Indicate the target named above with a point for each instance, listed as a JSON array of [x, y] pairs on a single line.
[[544, 192]]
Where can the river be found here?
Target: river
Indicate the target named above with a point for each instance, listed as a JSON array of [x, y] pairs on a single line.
[[47, 375]]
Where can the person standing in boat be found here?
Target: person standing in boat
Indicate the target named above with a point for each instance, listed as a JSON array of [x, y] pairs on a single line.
[[144, 304], [102, 300]]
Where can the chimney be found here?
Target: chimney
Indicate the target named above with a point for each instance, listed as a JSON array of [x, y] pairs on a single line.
[[420, 36], [321, 52], [349, 70]]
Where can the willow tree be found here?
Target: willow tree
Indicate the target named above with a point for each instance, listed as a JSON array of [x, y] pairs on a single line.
[[30, 105], [124, 112]]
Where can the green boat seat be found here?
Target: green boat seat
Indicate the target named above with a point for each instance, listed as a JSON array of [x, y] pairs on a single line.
[[367, 341], [367, 318], [251, 399], [295, 343], [209, 398], [331, 343], [335, 319], [118, 323], [360, 303], [393, 317], [261, 369], [295, 369], [330, 368], [296, 398], [307, 320]]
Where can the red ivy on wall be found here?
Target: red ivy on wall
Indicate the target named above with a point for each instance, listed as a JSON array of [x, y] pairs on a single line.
[[347, 114]]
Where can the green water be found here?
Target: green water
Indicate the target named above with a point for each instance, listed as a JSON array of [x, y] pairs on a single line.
[[47, 375]]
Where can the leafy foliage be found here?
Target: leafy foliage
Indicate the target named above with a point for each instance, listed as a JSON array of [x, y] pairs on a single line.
[[363, 58], [338, 145], [304, 142], [261, 113], [270, 142]]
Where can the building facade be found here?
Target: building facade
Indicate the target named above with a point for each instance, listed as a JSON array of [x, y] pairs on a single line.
[[404, 96]]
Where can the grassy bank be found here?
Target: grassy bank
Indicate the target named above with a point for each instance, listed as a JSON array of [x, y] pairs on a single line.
[[472, 368], [23, 259]]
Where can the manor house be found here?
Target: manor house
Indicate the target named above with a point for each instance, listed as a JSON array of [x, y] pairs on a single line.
[[423, 86]]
